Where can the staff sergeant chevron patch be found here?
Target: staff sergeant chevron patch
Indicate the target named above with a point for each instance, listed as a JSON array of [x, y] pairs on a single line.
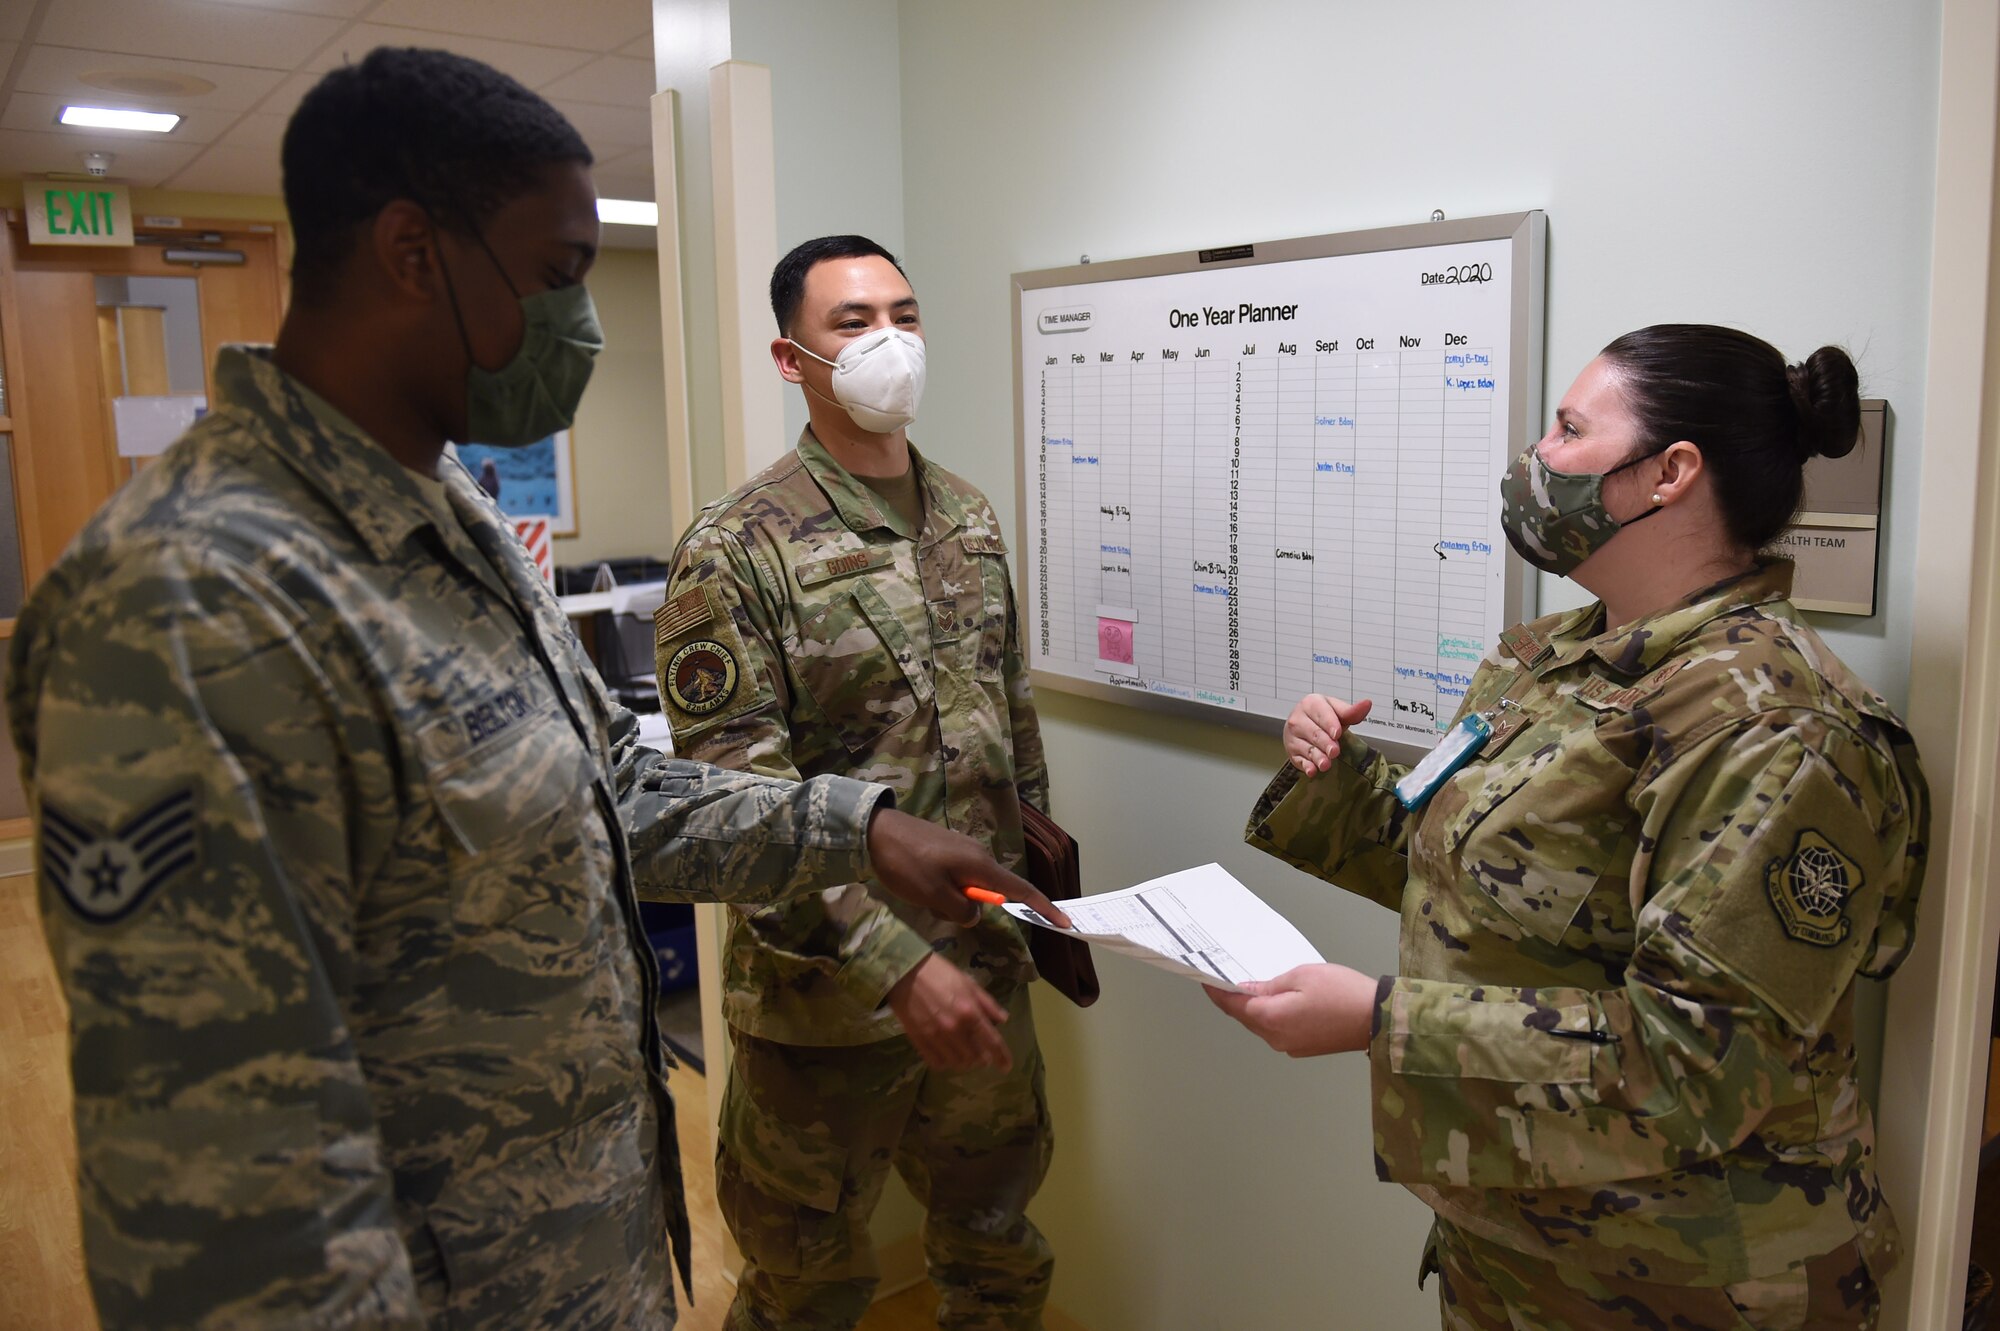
[[105, 876]]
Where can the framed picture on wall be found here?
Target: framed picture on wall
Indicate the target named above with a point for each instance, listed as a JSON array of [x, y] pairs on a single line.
[[534, 481]]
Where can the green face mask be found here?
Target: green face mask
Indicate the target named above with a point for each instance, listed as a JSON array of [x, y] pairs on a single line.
[[535, 394], [1556, 519]]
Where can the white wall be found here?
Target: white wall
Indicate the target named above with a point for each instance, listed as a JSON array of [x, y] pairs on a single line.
[[1767, 166], [690, 37], [837, 117]]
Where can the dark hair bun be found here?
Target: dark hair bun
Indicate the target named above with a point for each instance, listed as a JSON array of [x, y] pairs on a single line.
[[1826, 392]]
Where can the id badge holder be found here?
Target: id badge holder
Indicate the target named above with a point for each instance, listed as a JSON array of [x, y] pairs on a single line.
[[1454, 751]]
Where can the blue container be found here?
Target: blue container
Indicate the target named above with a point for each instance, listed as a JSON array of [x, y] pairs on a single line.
[[676, 952], [670, 928]]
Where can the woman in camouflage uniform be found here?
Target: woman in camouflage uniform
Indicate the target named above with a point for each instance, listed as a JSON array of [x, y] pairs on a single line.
[[1619, 1059]]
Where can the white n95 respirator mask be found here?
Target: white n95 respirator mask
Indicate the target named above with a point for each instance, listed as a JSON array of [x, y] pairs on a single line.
[[878, 378]]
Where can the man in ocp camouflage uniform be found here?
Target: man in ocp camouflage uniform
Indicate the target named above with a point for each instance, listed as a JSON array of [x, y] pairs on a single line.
[[848, 610], [339, 835]]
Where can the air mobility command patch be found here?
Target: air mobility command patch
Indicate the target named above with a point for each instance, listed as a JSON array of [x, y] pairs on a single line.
[[105, 876], [701, 677], [1810, 888]]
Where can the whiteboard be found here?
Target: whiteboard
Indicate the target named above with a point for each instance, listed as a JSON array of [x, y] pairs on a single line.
[[1246, 475]]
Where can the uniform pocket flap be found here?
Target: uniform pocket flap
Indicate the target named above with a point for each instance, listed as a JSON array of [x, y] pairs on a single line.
[[799, 1162], [517, 782]]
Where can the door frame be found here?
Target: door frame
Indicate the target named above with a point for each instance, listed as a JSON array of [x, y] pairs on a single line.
[[1937, 1031]]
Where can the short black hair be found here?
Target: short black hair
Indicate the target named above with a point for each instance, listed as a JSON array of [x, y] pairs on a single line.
[[447, 132], [788, 279], [1756, 420]]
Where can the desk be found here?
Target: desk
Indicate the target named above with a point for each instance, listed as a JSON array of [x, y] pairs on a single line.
[[636, 600], [586, 604]]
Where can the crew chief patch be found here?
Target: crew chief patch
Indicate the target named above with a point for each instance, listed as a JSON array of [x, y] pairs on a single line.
[[701, 677], [105, 876], [1809, 889]]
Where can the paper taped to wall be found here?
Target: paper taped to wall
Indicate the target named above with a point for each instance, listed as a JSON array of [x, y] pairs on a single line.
[[1200, 923]]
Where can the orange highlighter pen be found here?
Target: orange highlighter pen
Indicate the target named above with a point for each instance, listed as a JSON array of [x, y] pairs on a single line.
[[985, 894]]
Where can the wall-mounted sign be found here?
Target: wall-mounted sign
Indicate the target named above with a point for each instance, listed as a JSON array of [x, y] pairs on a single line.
[[77, 212], [1834, 539], [146, 425]]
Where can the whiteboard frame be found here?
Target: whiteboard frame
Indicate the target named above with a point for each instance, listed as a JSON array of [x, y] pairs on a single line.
[[1528, 234]]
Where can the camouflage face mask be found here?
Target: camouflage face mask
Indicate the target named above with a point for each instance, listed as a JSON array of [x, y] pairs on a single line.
[[1556, 519], [536, 393]]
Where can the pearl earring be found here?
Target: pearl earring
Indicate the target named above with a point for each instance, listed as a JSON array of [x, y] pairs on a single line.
[[1657, 499]]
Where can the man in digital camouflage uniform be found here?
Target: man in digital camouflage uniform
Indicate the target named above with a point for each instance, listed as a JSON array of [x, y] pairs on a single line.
[[338, 832], [848, 610]]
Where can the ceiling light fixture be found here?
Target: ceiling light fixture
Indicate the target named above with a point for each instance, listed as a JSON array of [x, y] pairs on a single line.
[[629, 212], [105, 117]]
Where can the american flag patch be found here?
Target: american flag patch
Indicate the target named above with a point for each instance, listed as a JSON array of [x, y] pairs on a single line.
[[690, 610]]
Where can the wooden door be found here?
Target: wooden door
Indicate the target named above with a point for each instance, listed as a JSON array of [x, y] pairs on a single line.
[[60, 363], [65, 462]]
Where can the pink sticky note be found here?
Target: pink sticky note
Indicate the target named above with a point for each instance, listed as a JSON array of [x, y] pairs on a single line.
[[1114, 640]]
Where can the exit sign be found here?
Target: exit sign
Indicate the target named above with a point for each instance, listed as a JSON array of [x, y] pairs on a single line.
[[68, 212]]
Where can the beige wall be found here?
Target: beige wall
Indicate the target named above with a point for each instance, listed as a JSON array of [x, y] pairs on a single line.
[[620, 449], [620, 459]]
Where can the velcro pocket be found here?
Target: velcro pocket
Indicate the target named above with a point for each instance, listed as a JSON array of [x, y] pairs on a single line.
[[994, 602], [857, 662], [778, 1184], [1539, 834], [1435, 1032]]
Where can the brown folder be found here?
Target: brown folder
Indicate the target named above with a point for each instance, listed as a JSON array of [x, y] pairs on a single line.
[[1053, 866]]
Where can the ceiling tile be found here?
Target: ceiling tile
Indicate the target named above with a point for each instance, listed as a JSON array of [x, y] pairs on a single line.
[[7, 50], [611, 80], [641, 46], [188, 30], [633, 165], [58, 71], [25, 152], [260, 132], [532, 65], [14, 21], [232, 171], [632, 159], [285, 98], [623, 184], [598, 25], [609, 130], [38, 111]]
